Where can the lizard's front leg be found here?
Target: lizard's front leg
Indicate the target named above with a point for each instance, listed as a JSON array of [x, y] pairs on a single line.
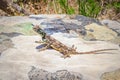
[[41, 41], [66, 56], [45, 47]]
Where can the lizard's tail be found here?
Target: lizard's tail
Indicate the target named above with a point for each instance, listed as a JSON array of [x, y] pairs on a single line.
[[95, 51]]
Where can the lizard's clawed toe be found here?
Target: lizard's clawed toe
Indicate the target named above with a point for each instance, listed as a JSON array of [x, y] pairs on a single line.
[[66, 56]]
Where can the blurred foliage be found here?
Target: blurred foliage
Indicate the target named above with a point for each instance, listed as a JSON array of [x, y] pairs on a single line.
[[115, 5], [110, 9], [90, 8], [65, 6]]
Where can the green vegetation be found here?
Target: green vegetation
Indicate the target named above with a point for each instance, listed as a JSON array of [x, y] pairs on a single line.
[[65, 7], [115, 5], [90, 8]]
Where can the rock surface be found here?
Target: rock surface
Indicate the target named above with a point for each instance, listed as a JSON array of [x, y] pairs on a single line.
[[5, 41], [40, 74], [16, 61], [99, 32], [113, 75], [112, 24]]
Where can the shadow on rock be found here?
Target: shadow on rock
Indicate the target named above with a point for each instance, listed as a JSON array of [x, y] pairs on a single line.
[[40, 74], [5, 44], [12, 34], [5, 40]]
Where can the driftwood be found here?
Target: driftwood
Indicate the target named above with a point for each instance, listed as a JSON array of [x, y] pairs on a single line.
[[11, 8]]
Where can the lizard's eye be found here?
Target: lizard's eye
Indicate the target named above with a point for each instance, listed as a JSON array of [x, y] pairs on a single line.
[[34, 29]]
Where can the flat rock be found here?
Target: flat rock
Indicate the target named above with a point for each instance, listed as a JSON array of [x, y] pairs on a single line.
[[16, 61]]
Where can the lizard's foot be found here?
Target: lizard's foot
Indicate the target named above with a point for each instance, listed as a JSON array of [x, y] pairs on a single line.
[[44, 48], [39, 41], [66, 56]]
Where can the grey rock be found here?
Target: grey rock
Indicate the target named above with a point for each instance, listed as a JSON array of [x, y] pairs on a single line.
[[65, 25], [40, 74], [114, 25], [66, 75], [37, 74], [87, 20]]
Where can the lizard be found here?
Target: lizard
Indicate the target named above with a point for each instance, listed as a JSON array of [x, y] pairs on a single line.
[[57, 45]]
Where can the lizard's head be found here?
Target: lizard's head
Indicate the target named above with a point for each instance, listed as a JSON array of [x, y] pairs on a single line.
[[36, 28]]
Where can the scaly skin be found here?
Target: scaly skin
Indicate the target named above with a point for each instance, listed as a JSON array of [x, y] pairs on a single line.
[[57, 45]]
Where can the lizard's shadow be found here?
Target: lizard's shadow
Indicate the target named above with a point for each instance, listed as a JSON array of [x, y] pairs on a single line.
[[42, 46]]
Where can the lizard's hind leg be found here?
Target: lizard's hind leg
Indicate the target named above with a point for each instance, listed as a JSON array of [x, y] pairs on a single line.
[[69, 51]]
